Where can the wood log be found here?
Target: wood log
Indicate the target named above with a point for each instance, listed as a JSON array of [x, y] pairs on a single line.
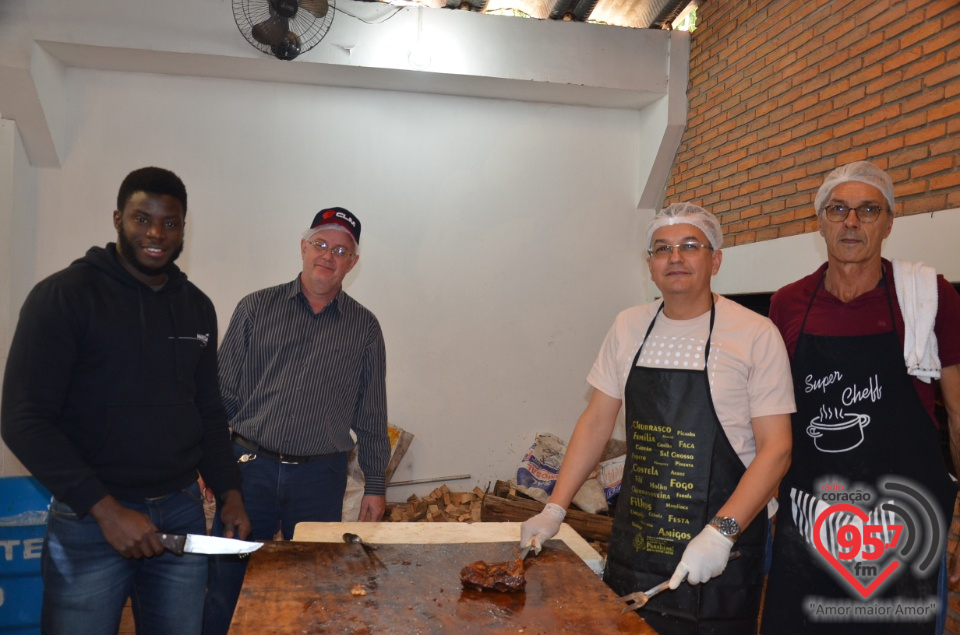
[[440, 505], [504, 504], [502, 509], [399, 443]]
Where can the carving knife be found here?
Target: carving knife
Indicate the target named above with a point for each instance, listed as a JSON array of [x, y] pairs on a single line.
[[180, 544]]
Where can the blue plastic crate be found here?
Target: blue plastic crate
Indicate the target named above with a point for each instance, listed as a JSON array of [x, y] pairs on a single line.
[[23, 521]]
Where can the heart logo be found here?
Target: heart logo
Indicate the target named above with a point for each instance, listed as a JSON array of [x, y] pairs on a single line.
[[865, 591]]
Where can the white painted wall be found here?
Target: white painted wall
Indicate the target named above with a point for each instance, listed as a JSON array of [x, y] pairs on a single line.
[[928, 238], [367, 46], [499, 240], [18, 190]]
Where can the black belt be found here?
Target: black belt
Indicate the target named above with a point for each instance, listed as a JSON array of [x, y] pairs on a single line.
[[283, 458]]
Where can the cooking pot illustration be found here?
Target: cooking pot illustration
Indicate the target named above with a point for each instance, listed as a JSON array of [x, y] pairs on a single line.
[[838, 436]]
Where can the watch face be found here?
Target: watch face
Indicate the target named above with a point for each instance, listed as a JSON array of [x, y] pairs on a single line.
[[727, 526]]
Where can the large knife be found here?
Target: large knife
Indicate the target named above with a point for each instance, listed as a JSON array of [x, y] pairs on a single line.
[[208, 545]]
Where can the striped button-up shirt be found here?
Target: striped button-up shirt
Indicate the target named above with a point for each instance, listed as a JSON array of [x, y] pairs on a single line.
[[296, 382]]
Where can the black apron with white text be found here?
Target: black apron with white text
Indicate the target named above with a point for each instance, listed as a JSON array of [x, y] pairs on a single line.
[[859, 419], [680, 469]]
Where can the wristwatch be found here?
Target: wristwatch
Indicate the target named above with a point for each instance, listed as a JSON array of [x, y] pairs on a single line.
[[727, 526]]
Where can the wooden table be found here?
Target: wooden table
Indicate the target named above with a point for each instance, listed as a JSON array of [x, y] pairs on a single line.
[[301, 587]]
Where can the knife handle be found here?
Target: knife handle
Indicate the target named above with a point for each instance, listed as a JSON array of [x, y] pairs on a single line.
[[174, 543]]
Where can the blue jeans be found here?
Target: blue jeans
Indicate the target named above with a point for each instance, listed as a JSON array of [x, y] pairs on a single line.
[[277, 496], [86, 582]]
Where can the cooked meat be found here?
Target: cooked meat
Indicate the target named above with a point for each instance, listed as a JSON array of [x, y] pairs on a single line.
[[506, 577]]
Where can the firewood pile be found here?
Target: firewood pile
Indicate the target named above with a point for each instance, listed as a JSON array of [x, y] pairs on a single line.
[[439, 506], [505, 503]]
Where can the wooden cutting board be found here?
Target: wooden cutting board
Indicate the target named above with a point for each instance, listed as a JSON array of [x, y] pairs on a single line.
[[297, 587]]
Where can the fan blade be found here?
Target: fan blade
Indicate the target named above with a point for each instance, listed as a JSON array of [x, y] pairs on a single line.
[[271, 31], [317, 7]]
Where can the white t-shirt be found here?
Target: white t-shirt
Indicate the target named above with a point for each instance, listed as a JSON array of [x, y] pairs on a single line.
[[749, 369]]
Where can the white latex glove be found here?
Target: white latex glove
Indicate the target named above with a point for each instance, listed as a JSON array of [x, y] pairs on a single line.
[[704, 558], [540, 528]]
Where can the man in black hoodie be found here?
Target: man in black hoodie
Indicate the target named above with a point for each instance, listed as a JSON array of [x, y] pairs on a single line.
[[111, 400]]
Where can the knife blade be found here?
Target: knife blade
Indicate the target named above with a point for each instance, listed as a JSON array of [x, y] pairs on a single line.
[[208, 545], [370, 550], [355, 539]]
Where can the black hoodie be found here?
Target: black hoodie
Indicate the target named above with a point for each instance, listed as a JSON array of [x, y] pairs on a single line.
[[111, 387]]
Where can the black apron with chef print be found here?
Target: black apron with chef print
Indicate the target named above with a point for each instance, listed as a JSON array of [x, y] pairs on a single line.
[[680, 469], [859, 419]]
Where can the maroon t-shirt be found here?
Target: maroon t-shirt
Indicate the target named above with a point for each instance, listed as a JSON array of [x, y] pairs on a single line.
[[868, 314]]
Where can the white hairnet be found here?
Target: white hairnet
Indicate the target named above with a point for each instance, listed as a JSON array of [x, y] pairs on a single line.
[[687, 214], [861, 172]]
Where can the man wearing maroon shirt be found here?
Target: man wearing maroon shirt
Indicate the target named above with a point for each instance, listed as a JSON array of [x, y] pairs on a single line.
[[864, 412]]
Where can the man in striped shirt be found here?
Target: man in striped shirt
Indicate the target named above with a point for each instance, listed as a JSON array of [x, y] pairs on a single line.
[[301, 365]]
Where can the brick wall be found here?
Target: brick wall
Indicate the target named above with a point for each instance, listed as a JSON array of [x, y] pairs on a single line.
[[783, 91], [953, 604]]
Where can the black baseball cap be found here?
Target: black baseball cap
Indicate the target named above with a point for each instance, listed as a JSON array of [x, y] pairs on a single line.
[[339, 216]]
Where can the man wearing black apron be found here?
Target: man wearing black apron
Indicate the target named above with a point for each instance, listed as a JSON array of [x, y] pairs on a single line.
[[706, 389], [860, 422]]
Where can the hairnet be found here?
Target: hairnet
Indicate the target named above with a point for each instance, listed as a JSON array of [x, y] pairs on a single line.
[[861, 172], [688, 214]]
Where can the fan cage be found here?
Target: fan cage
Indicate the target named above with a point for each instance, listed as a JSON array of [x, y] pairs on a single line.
[[309, 28]]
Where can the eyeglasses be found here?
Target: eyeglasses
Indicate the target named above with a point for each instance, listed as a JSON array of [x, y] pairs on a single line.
[[865, 213], [323, 247], [686, 249]]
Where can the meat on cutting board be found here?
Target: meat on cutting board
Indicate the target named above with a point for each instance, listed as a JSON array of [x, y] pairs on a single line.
[[506, 577]]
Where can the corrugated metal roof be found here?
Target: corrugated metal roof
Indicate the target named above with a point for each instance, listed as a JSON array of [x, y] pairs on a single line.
[[638, 14]]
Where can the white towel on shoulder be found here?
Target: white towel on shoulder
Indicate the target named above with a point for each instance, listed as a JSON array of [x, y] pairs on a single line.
[[916, 285]]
